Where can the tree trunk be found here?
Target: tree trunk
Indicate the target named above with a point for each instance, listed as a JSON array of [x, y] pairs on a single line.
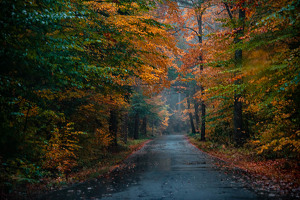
[[152, 127], [196, 106], [144, 126], [179, 100], [191, 116], [124, 127], [203, 107], [136, 126], [113, 126], [238, 110], [203, 119]]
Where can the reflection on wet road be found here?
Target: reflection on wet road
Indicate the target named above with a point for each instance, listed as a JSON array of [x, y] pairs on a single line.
[[166, 168]]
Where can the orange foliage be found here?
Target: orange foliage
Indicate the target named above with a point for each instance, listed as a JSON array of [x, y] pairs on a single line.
[[60, 149]]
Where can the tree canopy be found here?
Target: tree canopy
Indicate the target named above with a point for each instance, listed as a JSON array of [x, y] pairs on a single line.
[[78, 77]]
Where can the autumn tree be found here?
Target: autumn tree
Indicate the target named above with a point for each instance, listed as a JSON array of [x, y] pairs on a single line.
[[192, 22], [250, 70], [257, 38], [238, 30], [69, 68]]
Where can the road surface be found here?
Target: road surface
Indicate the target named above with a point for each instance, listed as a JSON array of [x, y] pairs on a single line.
[[168, 167]]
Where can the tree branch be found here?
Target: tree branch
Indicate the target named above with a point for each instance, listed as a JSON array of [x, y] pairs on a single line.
[[191, 29], [228, 10]]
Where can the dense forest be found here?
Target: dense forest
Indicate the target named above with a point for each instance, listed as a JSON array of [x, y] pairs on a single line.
[[81, 79], [240, 71]]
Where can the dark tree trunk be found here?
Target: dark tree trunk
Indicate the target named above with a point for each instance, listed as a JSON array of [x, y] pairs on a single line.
[[203, 107], [152, 127], [144, 126], [238, 119], [238, 107], [124, 127], [113, 126], [238, 56], [196, 106], [191, 116], [203, 113], [136, 126]]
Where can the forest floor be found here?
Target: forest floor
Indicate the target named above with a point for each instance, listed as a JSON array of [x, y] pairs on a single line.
[[101, 168], [279, 175]]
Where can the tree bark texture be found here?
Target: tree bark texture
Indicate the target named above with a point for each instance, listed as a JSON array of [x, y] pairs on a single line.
[[203, 107], [191, 116], [144, 126], [113, 126], [238, 107], [203, 120], [136, 126], [124, 127], [196, 105]]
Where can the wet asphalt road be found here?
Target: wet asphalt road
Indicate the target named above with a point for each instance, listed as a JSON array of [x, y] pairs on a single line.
[[168, 167]]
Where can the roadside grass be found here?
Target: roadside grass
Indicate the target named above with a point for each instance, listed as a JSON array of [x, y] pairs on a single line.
[[279, 174], [87, 171], [108, 163]]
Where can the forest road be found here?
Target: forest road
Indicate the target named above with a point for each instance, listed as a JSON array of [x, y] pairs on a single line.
[[168, 167]]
